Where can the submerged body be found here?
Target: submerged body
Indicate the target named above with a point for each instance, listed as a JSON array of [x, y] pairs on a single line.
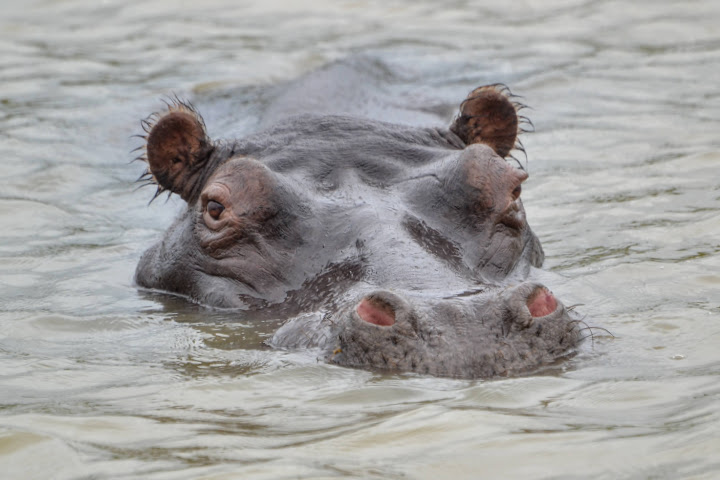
[[386, 246]]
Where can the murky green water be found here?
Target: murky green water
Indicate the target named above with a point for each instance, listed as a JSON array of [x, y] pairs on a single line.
[[99, 380]]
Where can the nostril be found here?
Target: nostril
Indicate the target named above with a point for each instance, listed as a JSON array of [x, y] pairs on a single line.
[[376, 311], [541, 302], [516, 193]]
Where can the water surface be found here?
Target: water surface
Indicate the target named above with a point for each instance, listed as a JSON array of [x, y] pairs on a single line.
[[100, 380]]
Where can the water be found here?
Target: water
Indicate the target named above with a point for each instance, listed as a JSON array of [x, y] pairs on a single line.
[[99, 380]]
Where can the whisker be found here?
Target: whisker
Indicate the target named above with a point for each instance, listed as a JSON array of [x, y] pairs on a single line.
[[573, 307], [597, 328]]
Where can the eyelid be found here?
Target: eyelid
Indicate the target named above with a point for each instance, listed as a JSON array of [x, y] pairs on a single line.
[[215, 199], [216, 192]]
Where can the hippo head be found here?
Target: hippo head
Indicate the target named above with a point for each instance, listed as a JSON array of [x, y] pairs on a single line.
[[386, 246]]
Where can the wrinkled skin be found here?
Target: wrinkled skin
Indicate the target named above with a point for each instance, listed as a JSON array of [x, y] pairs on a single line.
[[387, 246]]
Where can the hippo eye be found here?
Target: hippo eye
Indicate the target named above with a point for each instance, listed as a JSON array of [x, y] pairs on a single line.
[[214, 209], [516, 193]]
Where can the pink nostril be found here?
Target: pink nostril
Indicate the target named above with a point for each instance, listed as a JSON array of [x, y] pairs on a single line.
[[376, 311], [541, 303]]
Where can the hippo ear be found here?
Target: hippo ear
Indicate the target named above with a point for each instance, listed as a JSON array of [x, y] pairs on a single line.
[[176, 149], [489, 116]]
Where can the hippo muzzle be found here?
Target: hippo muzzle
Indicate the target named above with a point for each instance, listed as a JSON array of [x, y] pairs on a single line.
[[484, 335]]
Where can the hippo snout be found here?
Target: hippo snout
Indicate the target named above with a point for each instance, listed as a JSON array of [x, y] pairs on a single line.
[[490, 333]]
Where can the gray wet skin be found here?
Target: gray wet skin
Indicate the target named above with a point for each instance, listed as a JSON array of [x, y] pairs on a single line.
[[387, 246]]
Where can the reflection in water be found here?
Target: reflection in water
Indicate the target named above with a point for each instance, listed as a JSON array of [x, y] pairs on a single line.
[[101, 380]]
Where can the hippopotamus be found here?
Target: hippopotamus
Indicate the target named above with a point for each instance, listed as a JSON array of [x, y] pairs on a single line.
[[384, 246]]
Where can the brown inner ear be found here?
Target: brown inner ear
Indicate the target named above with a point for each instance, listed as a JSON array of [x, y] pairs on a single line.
[[488, 116], [177, 147]]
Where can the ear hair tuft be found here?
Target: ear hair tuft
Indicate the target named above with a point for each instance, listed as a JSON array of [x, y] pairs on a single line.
[[490, 116], [175, 147]]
